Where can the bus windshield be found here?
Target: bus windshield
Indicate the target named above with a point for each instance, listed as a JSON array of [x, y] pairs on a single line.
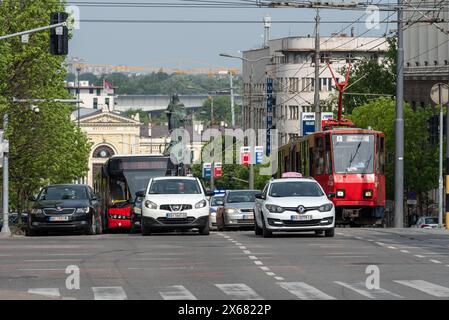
[[138, 179], [353, 153]]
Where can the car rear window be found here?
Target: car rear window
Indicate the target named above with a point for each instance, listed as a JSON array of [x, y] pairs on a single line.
[[243, 196], [295, 189], [431, 221]]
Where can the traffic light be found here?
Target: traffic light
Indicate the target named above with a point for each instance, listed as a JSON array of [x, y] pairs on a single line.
[[59, 36]]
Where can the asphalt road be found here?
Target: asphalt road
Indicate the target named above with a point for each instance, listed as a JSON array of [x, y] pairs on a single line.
[[412, 264]]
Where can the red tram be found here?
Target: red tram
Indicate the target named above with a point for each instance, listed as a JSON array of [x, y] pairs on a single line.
[[348, 162]]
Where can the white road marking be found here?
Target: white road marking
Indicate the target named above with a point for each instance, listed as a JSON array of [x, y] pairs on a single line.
[[435, 261], [177, 293], [427, 287], [259, 263], [447, 265], [246, 252], [360, 288], [253, 257], [340, 234], [391, 247], [54, 260], [405, 251], [359, 238], [265, 268], [68, 254], [304, 291], [419, 256], [109, 293], [279, 278], [48, 292], [242, 247], [380, 243], [238, 244], [271, 274], [239, 291], [41, 269]]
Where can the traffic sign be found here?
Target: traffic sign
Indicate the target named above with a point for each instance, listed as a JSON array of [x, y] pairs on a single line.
[[245, 156], [439, 90], [218, 172], [258, 153], [207, 170]]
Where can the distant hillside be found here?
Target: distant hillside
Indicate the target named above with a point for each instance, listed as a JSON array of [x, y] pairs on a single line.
[[162, 83]]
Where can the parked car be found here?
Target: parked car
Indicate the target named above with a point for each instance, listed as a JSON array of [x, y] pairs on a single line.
[[175, 203], [427, 223], [294, 204], [65, 207], [237, 210], [136, 214], [216, 202]]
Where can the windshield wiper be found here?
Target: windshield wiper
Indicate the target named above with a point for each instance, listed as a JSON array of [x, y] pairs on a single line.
[[353, 156]]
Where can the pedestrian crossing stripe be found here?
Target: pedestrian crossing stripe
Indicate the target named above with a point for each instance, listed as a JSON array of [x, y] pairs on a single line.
[[241, 291]]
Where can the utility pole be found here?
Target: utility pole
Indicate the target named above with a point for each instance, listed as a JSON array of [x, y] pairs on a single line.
[[440, 172], [231, 80], [5, 228], [317, 73], [399, 126], [253, 127], [447, 168], [78, 92]]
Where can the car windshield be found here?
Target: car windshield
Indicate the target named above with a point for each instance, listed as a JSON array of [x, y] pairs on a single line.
[[216, 201], [296, 189], [175, 186], [431, 220], [353, 153], [242, 196], [63, 193]]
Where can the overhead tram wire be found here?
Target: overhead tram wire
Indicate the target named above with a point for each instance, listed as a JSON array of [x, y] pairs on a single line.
[[209, 21]]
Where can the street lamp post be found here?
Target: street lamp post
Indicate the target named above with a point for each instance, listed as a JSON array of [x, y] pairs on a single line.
[[251, 166], [78, 71]]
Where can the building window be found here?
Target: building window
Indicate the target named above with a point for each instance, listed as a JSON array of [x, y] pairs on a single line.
[[98, 92], [106, 101], [417, 63], [91, 91], [349, 57], [426, 63], [95, 103], [294, 85], [294, 113], [325, 57]]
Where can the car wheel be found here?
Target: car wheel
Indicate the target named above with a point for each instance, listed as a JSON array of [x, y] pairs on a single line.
[[205, 231], [329, 233], [257, 230], [145, 230], [265, 232]]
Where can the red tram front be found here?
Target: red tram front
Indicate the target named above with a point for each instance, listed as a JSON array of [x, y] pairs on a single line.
[[348, 163]]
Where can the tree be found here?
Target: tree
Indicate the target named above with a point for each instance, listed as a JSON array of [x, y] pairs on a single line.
[[143, 116], [370, 76], [222, 111], [420, 157], [45, 147]]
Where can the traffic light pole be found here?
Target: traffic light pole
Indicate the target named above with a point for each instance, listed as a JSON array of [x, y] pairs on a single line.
[[6, 232], [440, 172], [62, 24]]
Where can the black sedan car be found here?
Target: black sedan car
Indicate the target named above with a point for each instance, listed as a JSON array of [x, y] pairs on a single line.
[[65, 207]]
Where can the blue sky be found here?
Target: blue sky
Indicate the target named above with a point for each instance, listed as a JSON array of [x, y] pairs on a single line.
[[191, 45]]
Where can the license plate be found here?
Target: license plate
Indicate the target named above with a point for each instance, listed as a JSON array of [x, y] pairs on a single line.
[[59, 219], [248, 217], [177, 215], [301, 218]]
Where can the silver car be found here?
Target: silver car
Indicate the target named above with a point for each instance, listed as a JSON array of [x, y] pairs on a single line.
[[216, 202], [238, 209], [427, 223]]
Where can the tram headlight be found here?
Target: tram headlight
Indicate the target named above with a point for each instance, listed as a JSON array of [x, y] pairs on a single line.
[[368, 194], [340, 193]]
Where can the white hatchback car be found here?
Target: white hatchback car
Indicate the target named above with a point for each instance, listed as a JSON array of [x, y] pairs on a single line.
[[293, 204], [175, 203]]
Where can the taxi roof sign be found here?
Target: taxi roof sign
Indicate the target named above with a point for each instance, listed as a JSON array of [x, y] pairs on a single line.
[[291, 175]]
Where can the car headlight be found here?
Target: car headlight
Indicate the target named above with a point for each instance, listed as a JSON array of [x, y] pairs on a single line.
[[274, 208], [201, 204], [37, 211], [230, 211], [82, 210], [326, 207], [150, 204]]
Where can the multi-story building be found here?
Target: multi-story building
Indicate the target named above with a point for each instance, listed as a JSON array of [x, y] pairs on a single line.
[[426, 54], [93, 97], [289, 63]]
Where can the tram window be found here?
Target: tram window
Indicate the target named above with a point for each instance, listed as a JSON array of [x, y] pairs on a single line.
[[319, 156], [381, 155], [328, 155]]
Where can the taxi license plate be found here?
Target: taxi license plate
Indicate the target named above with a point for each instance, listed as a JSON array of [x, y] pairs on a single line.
[[301, 218], [59, 218], [178, 215]]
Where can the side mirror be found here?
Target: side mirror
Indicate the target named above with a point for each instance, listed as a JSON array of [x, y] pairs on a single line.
[[140, 194], [210, 193], [32, 198], [260, 196], [95, 197], [331, 195]]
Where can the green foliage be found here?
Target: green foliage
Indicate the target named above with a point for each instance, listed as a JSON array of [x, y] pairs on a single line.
[[420, 158], [222, 111], [370, 76], [143, 116], [45, 147]]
